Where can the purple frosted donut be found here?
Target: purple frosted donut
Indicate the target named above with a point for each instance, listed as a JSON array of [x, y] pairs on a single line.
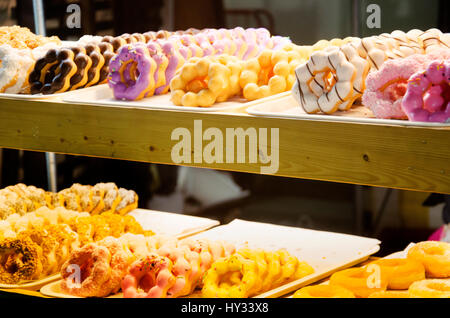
[[124, 87], [175, 62]]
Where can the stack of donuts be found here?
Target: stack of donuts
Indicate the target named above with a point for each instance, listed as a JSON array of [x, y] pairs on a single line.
[[97, 199], [143, 267], [249, 272], [36, 245], [142, 70], [19, 49], [378, 69], [424, 273]]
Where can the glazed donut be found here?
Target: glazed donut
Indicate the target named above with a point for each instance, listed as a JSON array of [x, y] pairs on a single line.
[[265, 75], [9, 68], [19, 84], [435, 257], [65, 70], [98, 61], [20, 260], [213, 288], [199, 83], [358, 280], [430, 288], [145, 65], [336, 74], [401, 273], [323, 291], [107, 51], [152, 274], [390, 294], [93, 263], [387, 86], [427, 94], [83, 63], [162, 63]]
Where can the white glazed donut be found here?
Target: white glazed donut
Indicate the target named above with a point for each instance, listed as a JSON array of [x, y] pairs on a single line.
[[325, 81], [10, 66], [27, 64]]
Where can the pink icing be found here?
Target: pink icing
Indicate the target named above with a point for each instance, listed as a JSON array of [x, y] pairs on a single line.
[[427, 96]]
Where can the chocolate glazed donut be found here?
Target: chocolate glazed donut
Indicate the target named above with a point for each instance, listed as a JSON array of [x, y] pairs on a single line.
[[107, 50], [97, 63], [83, 63], [67, 68], [38, 75]]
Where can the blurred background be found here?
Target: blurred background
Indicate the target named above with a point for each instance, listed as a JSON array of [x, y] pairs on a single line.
[[395, 217]]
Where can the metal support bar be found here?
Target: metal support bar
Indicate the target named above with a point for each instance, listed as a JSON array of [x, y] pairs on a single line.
[[39, 26]]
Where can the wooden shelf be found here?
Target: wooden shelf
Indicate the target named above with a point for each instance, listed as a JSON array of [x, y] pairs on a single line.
[[413, 158]]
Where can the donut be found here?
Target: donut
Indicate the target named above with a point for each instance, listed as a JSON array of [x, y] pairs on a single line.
[[386, 87], [249, 272], [20, 260], [390, 294], [152, 274], [98, 61], [266, 75], [430, 288], [10, 66], [162, 63], [20, 82], [325, 81], [401, 273], [145, 65], [323, 291], [83, 63], [199, 83], [107, 50], [358, 280], [65, 70], [93, 263], [435, 257], [175, 61], [427, 94]]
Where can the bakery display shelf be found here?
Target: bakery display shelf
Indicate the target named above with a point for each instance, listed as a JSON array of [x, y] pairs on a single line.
[[375, 154]]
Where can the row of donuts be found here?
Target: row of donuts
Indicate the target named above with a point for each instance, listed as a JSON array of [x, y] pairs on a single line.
[[53, 67], [164, 267], [424, 273], [36, 245], [86, 63], [21, 199], [335, 77], [158, 61]]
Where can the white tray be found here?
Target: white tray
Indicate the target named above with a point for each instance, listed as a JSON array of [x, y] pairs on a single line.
[[326, 252], [102, 95], [287, 107], [47, 96], [173, 224]]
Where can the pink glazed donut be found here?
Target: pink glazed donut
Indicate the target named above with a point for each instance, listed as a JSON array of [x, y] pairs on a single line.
[[427, 95]]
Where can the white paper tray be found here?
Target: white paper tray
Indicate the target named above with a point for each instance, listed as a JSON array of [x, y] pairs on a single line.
[[173, 224], [287, 107], [102, 95], [326, 252], [47, 96]]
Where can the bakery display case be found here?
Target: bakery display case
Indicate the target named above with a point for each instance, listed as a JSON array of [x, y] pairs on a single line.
[[367, 110]]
